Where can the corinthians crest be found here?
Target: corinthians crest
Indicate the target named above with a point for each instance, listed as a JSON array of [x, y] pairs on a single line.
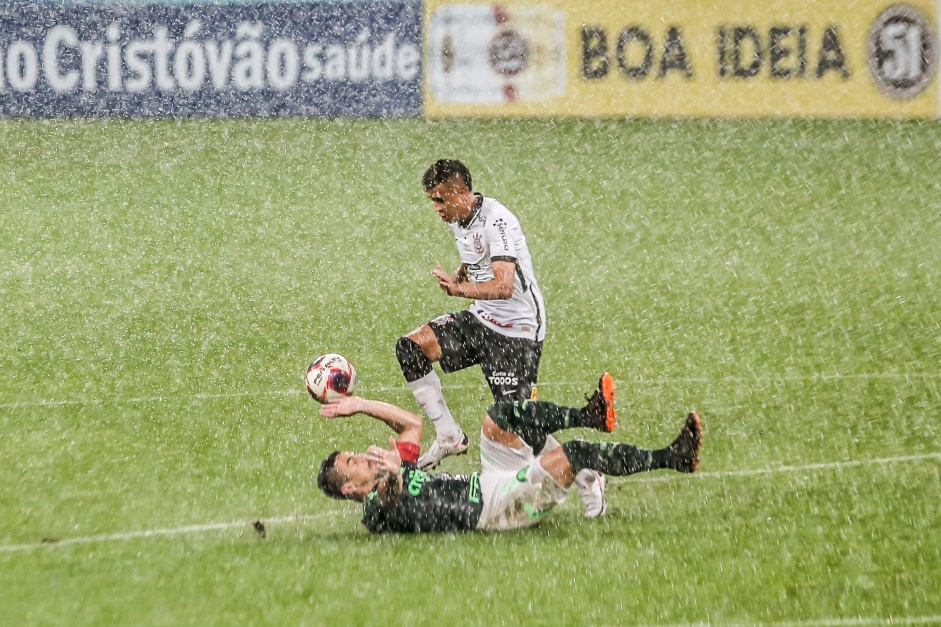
[[478, 244], [480, 53]]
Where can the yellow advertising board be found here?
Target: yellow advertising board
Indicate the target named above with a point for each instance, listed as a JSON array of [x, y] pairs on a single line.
[[737, 58]]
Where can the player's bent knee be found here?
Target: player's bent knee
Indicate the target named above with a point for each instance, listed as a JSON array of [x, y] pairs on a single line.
[[412, 359], [427, 342], [490, 430], [499, 413], [557, 466]]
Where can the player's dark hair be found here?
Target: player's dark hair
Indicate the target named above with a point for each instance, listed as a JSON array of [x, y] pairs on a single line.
[[329, 479], [444, 170]]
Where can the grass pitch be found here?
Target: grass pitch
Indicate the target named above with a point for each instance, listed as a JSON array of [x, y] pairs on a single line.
[[163, 286]]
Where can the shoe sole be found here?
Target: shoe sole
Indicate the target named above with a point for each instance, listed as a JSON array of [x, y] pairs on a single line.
[[694, 424], [607, 392], [437, 463], [454, 454]]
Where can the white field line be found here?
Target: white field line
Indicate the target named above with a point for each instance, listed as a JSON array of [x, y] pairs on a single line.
[[869, 620], [901, 376], [154, 533], [767, 471], [856, 621], [151, 533]]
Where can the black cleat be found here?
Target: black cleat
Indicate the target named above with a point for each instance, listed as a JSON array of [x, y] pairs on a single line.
[[684, 450], [599, 412]]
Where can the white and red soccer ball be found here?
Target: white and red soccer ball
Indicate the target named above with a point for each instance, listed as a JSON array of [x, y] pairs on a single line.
[[330, 376]]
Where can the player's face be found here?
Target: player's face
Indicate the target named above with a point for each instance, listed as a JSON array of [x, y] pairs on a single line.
[[453, 201], [359, 470]]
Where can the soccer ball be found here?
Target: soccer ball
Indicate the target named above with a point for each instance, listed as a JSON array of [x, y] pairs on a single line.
[[330, 376]]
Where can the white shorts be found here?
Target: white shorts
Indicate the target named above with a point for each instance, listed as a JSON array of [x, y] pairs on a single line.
[[516, 490]]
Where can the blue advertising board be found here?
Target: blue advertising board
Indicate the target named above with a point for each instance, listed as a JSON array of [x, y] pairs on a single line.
[[160, 60]]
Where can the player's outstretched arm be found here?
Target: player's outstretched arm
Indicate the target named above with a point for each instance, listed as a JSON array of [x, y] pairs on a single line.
[[402, 421]]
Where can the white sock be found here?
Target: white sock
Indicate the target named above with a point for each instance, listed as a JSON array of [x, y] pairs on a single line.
[[586, 476], [429, 395]]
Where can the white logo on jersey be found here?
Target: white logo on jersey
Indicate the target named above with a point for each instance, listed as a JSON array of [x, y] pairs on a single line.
[[503, 378]]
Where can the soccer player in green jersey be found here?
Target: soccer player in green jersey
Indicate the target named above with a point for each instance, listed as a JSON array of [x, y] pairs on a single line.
[[524, 472]]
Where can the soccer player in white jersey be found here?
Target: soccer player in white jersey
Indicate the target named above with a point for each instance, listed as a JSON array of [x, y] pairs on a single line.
[[503, 329], [505, 325]]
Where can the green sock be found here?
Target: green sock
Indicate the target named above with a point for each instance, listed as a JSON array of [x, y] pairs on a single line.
[[534, 421], [617, 460]]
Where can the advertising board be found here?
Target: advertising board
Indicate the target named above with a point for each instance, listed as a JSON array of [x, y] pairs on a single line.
[[824, 58], [136, 60]]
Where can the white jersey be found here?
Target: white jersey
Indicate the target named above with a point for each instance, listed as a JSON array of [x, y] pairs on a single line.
[[494, 234]]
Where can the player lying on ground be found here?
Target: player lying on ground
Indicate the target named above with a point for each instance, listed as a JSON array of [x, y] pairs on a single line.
[[525, 471]]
